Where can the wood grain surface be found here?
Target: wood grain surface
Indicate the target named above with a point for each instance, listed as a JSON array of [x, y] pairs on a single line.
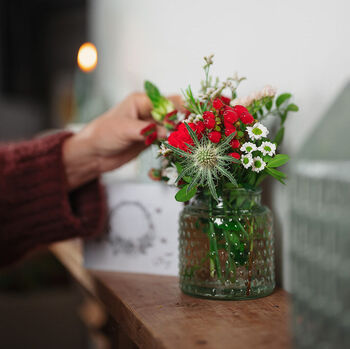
[[154, 313]]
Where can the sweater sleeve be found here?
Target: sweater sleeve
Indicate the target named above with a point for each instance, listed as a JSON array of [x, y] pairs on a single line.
[[35, 205]]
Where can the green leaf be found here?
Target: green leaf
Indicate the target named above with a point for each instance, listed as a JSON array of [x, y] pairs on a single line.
[[292, 107], [282, 98], [268, 105], [261, 177], [251, 178], [279, 136], [228, 175], [278, 160], [192, 134], [182, 195], [280, 176], [152, 92], [177, 151], [212, 185]]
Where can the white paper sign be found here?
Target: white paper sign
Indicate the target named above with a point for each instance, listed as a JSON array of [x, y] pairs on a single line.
[[143, 230]]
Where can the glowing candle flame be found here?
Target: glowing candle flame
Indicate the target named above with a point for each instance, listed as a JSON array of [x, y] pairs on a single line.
[[87, 57]]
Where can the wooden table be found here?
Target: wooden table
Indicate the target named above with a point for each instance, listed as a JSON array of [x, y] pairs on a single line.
[[154, 313]]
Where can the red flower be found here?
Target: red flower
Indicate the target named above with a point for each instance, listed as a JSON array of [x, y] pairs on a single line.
[[200, 127], [149, 129], [235, 155], [208, 115], [150, 132], [151, 138], [217, 104], [180, 138], [247, 118], [209, 123], [239, 109], [230, 116], [229, 130], [234, 143], [214, 136], [244, 114], [225, 100]]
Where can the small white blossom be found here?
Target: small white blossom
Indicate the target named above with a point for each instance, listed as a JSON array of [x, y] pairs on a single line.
[[171, 173], [198, 118], [268, 148], [163, 150], [247, 160], [268, 91], [258, 164], [248, 147], [257, 131]]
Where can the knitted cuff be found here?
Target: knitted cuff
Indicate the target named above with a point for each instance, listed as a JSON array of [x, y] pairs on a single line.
[[35, 206]]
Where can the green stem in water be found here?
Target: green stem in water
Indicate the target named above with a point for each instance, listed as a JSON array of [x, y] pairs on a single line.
[[213, 244]]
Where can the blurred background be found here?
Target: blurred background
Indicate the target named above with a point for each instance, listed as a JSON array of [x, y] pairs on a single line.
[[297, 46]]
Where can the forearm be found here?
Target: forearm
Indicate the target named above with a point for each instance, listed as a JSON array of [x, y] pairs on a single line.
[[80, 162]]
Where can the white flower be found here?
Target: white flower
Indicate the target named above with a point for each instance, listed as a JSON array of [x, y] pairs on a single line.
[[171, 173], [268, 91], [248, 147], [198, 118], [163, 150], [268, 148], [257, 131], [247, 160], [258, 164]]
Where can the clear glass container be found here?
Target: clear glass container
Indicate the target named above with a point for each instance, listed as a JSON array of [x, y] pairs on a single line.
[[226, 248]]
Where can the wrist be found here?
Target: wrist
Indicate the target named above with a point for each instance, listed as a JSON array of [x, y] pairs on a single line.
[[80, 161]]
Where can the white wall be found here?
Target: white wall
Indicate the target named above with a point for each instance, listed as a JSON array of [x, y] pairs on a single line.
[[299, 46]]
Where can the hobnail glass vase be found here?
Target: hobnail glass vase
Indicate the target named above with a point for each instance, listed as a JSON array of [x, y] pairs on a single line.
[[226, 248]]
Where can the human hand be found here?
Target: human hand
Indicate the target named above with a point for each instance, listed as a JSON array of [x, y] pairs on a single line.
[[111, 140]]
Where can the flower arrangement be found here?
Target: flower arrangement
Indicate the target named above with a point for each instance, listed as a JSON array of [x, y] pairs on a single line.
[[218, 151], [218, 141]]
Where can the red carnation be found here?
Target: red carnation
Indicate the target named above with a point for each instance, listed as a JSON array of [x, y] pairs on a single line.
[[217, 104], [149, 129], [214, 136], [151, 138], [229, 130], [209, 123], [235, 155], [200, 127], [230, 116], [180, 138], [225, 100], [246, 118], [239, 109], [208, 115], [234, 143]]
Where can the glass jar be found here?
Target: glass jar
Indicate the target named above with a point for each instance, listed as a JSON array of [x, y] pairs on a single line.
[[226, 248]]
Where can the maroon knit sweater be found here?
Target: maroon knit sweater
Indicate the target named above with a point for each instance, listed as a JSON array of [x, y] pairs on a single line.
[[35, 205]]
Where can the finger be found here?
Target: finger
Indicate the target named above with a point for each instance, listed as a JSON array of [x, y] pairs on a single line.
[[143, 106], [162, 132], [133, 130], [178, 102]]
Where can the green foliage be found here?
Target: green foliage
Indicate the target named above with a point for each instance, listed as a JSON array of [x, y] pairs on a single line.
[[184, 195], [280, 176], [279, 136], [282, 98], [161, 105], [278, 160]]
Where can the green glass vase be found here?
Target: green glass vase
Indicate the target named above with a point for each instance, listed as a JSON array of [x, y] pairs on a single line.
[[226, 248]]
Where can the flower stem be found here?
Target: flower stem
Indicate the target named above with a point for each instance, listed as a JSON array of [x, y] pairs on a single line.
[[251, 248], [213, 244]]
